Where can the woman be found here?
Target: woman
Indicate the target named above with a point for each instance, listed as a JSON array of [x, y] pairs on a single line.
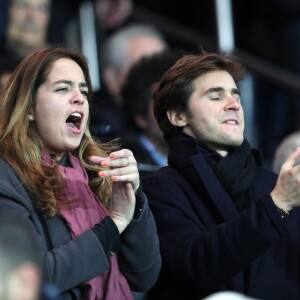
[[82, 199]]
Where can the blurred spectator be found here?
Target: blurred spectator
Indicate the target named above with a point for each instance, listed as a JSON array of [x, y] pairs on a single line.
[[20, 272], [124, 48], [121, 51], [143, 135], [285, 148], [27, 27]]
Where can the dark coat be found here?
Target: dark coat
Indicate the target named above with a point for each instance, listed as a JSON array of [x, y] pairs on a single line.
[[207, 246], [67, 263]]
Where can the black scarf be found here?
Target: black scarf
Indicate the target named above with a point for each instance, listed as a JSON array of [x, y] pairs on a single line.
[[235, 171]]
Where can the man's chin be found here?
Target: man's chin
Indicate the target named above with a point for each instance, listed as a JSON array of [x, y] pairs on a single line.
[[232, 143]]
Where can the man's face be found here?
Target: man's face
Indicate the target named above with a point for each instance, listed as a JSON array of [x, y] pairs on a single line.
[[215, 115], [28, 22]]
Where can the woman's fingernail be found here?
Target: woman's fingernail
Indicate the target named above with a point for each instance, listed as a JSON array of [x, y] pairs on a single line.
[[103, 163], [112, 155], [101, 174], [113, 178]]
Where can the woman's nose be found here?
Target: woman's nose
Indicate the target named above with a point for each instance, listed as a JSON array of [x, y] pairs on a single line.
[[78, 97]]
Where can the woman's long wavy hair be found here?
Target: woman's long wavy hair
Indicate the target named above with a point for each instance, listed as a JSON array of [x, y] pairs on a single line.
[[20, 143]]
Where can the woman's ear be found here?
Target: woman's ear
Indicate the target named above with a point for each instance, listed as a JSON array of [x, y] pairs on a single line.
[[30, 117], [177, 118]]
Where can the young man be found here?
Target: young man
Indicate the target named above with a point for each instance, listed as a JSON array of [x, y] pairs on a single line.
[[224, 222]]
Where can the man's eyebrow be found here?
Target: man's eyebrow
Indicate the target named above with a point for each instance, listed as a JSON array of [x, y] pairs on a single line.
[[220, 89], [71, 83], [236, 91], [214, 90]]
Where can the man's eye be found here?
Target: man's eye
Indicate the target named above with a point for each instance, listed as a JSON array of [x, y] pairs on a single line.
[[215, 98]]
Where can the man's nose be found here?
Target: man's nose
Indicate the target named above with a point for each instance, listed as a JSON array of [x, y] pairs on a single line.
[[232, 103]]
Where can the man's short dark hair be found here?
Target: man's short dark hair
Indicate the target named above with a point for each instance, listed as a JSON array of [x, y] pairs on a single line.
[[176, 86]]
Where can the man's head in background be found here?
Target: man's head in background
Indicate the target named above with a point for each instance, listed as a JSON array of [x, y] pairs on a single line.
[[139, 87], [123, 49], [27, 26]]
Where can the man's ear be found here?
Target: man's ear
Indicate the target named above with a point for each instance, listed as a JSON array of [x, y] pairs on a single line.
[[177, 118]]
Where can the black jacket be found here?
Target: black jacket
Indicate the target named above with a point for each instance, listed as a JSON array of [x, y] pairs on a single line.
[[207, 245]]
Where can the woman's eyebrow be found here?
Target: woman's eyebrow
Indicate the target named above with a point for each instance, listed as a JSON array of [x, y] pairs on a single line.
[[70, 82]]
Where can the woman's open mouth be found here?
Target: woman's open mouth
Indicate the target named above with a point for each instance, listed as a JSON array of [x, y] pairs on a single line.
[[74, 121]]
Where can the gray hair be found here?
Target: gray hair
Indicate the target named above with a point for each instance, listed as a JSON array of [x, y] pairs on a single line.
[[114, 50]]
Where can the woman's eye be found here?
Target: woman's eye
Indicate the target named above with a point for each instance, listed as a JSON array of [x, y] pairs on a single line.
[[84, 93], [62, 89]]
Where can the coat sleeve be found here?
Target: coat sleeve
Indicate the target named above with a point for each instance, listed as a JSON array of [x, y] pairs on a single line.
[[197, 256], [66, 266], [75, 261], [139, 256]]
